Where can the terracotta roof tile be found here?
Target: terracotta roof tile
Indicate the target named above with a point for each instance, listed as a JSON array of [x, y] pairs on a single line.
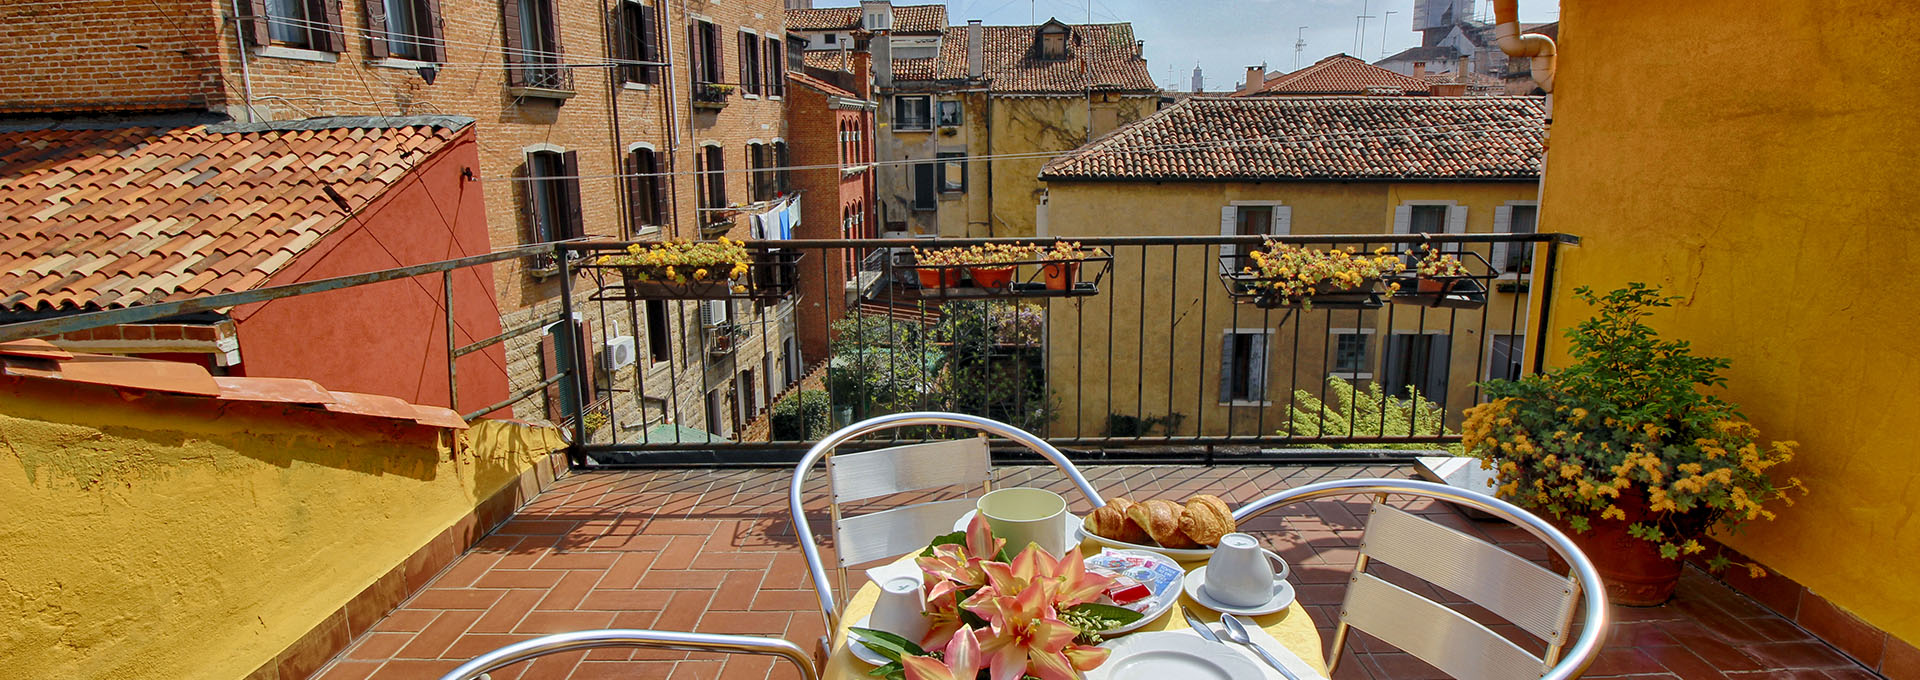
[[107, 217], [831, 60], [1341, 74], [1101, 58], [906, 19], [1319, 138]]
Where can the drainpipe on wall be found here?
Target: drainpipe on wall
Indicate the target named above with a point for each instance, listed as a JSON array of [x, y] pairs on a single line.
[[246, 74], [1536, 47]]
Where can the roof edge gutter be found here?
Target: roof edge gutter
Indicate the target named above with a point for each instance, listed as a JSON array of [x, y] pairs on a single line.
[[1534, 46]]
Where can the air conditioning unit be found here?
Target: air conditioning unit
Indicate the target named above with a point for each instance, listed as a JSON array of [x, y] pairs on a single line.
[[618, 354]]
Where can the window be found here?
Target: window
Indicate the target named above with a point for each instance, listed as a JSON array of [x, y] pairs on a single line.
[[749, 63], [781, 181], [533, 46], [1504, 357], [1515, 258], [1417, 361], [404, 29], [1243, 366], [1350, 354], [551, 196], [1251, 220], [1053, 41], [705, 55], [639, 31], [646, 192], [659, 334], [791, 361], [949, 114], [716, 412], [776, 76], [925, 186], [287, 22], [303, 24], [953, 171], [749, 395], [1427, 219], [760, 180], [910, 113], [711, 164], [829, 38]]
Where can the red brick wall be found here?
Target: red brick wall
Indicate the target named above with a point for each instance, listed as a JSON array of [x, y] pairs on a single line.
[[62, 55], [829, 196]]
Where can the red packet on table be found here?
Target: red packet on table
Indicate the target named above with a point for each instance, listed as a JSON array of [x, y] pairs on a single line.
[[1138, 579]]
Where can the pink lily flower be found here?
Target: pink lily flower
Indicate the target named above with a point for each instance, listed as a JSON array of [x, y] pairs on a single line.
[[963, 660]]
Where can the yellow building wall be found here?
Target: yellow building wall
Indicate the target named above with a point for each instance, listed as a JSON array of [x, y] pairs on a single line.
[[1038, 124], [1758, 160], [166, 537], [1103, 358]]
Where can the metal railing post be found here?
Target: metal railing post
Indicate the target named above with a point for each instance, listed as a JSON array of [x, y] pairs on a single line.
[[576, 453], [446, 302]]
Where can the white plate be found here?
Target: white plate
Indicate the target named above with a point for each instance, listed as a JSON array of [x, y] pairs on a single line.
[[1282, 596], [1168, 655], [1182, 554], [860, 651], [1161, 603]]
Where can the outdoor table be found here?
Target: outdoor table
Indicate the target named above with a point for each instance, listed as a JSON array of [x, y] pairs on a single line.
[[1291, 626]]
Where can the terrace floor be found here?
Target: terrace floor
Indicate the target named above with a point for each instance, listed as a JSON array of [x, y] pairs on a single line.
[[714, 551]]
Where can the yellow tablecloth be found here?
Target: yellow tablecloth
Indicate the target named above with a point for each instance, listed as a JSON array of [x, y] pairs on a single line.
[[1291, 627]]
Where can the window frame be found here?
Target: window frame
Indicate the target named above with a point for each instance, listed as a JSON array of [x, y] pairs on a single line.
[[711, 160], [1365, 369], [637, 26], [749, 62], [1517, 353], [900, 119], [776, 80], [534, 60], [947, 162], [1264, 370], [553, 187], [647, 209], [659, 333], [940, 113]]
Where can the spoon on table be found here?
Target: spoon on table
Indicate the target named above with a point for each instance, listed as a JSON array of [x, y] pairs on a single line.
[[1237, 632]]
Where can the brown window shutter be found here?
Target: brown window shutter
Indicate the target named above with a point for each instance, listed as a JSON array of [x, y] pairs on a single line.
[[510, 25], [325, 34], [776, 76], [529, 193], [636, 194], [254, 24], [550, 14], [649, 33], [659, 184], [570, 194], [435, 49], [746, 76], [549, 367], [622, 42], [376, 11], [719, 164]]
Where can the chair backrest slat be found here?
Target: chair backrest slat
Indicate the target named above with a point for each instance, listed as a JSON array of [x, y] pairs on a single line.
[[869, 474], [1530, 596], [895, 532], [1437, 635]]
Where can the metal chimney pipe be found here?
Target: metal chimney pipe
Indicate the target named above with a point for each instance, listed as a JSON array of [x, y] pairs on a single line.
[[1538, 48]]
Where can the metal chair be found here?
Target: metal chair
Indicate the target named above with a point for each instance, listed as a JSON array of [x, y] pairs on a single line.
[[657, 639], [1533, 598], [853, 477]]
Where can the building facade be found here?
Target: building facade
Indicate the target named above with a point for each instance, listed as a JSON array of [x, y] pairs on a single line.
[[1285, 166], [830, 116], [606, 120]]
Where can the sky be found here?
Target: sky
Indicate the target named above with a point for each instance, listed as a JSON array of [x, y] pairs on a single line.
[[1225, 37]]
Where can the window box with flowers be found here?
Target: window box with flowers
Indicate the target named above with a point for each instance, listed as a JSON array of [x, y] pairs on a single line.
[[994, 270], [1626, 451], [1284, 275], [698, 270], [711, 95], [1440, 279]]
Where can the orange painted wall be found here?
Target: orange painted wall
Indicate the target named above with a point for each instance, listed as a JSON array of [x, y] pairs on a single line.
[[390, 338]]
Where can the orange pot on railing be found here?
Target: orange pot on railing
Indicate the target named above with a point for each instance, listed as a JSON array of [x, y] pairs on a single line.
[[992, 277], [1061, 275], [931, 278]]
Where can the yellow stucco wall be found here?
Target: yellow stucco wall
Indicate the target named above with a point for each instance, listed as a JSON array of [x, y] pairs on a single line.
[[166, 537], [1758, 160], [1177, 350], [1029, 124]]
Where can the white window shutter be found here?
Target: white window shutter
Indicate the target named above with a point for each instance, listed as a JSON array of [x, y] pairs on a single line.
[[1282, 220], [1226, 367], [1257, 365], [1228, 227], [1456, 224], [1502, 224], [1403, 219]]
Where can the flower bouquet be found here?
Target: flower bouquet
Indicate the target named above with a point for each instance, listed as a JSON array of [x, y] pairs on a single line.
[[998, 618], [1286, 275]]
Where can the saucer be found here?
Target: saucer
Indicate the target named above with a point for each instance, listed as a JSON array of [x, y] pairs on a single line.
[[861, 651], [1282, 596]]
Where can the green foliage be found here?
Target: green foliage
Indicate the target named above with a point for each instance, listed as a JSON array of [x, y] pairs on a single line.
[[1350, 412], [880, 365], [806, 415]]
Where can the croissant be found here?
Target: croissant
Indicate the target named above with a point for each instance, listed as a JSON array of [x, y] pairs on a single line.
[[1161, 519], [1110, 521], [1206, 520]]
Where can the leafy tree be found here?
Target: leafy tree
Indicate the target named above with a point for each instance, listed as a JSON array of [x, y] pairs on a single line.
[[803, 416], [1369, 413]]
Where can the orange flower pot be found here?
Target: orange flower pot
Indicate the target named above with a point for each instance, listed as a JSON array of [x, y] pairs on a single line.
[[938, 278], [992, 277], [1061, 275]]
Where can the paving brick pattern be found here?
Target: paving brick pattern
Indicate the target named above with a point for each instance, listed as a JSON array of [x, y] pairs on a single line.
[[714, 551]]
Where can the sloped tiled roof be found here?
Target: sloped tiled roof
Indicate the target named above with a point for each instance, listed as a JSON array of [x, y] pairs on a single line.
[[1341, 74], [101, 217], [1319, 138], [831, 60], [906, 19], [1434, 53], [1102, 58]]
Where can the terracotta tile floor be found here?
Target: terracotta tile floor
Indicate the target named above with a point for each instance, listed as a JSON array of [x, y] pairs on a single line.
[[714, 551]]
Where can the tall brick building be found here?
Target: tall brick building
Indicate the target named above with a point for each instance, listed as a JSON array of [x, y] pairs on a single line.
[[592, 118], [830, 115]]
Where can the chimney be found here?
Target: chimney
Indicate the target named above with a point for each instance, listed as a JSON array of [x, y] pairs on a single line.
[[976, 49], [1419, 69], [1256, 75], [1465, 66], [862, 61], [880, 50]]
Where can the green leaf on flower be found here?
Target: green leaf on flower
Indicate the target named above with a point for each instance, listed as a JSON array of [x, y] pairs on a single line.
[[887, 644], [1120, 616], [955, 538], [1718, 563], [889, 670], [1670, 551]]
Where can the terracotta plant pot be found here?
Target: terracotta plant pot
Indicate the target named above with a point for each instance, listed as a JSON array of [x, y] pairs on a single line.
[[1427, 285], [1635, 573], [1061, 275], [992, 277], [938, 278]]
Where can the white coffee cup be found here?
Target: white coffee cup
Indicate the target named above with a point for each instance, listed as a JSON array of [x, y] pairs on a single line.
[[901, 609], [1241, 573], [1024, 516]]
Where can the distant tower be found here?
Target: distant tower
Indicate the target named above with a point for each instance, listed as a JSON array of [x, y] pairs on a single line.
[[1198, 81]]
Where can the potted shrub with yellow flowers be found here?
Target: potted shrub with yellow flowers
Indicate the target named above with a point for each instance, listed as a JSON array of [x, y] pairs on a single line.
[[993, 265], [1627, 451], [686, 270], [1061, 268], [937, 268], [1286, 275]]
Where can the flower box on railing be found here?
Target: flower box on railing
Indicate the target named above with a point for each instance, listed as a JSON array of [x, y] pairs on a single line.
[[745, 273], [1442, 278], [1283, 275], [711, 95], [1002, 270]]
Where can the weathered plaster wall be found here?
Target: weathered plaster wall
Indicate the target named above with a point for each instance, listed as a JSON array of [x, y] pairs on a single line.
[[169, 537], [1782, 209], [1106, 359]]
